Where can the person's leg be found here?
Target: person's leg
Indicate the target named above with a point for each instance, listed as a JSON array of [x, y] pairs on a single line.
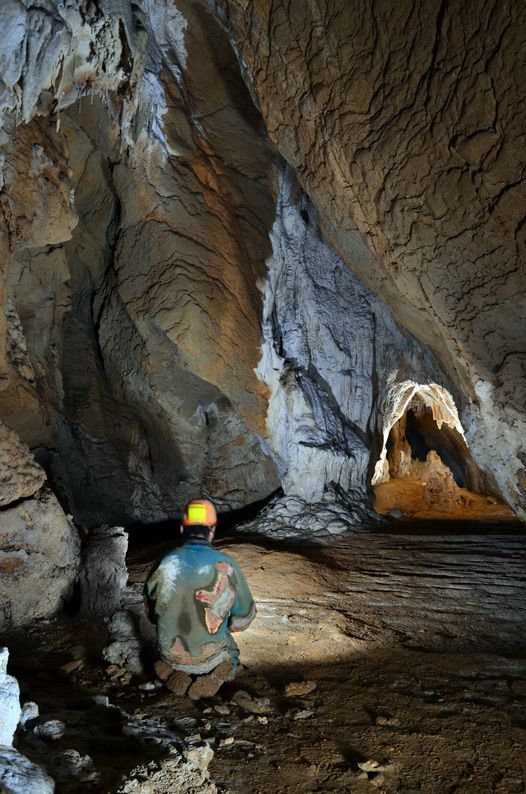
[[176, 681], [206, 686]]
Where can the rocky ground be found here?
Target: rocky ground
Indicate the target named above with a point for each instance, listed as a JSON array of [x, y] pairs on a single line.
[[387, 661]]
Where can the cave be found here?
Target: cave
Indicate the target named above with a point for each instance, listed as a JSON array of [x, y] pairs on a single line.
[[428, 472], [273, 257]]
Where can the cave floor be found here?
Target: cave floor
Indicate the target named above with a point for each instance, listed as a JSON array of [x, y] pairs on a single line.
[[415, 641]]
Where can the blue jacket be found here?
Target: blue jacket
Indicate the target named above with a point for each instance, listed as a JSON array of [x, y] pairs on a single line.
[[195, 595]]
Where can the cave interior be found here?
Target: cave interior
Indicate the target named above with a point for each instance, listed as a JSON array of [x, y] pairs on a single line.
[[272, 256]]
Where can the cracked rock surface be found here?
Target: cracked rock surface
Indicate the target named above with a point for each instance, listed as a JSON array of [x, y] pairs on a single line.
[[227, 233], [406, 128]]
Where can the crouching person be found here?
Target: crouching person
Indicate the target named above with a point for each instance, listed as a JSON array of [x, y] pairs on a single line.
[[197, 596]]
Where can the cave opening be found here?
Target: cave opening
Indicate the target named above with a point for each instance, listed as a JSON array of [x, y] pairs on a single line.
[[426, 470]]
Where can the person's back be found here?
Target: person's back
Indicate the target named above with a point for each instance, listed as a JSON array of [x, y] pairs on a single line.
[[196, 596]]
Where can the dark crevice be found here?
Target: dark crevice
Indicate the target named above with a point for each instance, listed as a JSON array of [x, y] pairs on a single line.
[[141, 534]]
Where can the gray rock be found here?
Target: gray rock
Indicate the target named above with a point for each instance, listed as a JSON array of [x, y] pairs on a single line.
[[103, 575], [254, 705], [29, 712], [125, 648], [51, 730], [9, 701], [39, 559], [19, 775], [168, 775]]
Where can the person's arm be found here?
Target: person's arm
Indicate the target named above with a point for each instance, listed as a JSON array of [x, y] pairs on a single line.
[[243, 610]]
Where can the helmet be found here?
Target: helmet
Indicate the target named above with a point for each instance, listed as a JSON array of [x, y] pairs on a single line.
[[199, 512]]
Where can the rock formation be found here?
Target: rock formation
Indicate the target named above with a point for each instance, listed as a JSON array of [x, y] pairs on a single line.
[[406, 129], [17, 773], [230, 237], [39, 545]]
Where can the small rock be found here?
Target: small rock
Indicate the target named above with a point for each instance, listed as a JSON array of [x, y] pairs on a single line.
[[208, 710], [227, 742], [304, 714], [79, 766], [71, 666], [299, 688], [252, 705], [369, 766], [263, 720], [52, 730], [200, 755], [29, 712], [148, 686], [101, 700], [395, 514], [222, 709]]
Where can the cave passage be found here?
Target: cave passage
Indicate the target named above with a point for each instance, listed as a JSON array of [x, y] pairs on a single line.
[[430, 474]]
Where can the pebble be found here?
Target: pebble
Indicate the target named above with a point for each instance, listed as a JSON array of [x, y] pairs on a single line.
[[299, 688], [52, 730], [222, 709], [101, 700], [369, 766], [250, 704], [200, 756], [71, 666], [263, 720], [208, 710], [149, 686], [29, 712], [304, 714], [381, 720], [227, 742]]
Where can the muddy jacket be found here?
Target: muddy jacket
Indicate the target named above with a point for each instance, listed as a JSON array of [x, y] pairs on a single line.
[[194, 595]]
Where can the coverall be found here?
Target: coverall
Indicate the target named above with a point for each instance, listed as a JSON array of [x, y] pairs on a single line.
[[195, 595]]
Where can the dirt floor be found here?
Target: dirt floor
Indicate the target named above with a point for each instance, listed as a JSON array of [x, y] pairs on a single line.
[[412, 643], [411, 498]]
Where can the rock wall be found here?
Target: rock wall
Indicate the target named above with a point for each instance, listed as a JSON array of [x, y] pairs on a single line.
[[406, 127], [133, 311], [39, 545], [181, 319], [332, 354]]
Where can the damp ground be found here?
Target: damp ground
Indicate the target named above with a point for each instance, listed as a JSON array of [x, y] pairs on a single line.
[[411, 641]]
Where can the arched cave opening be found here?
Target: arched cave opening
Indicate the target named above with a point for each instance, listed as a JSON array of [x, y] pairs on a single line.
[[428, 472]]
